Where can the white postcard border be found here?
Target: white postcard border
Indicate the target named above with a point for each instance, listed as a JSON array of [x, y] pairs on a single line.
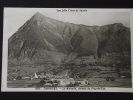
[[107, 89]]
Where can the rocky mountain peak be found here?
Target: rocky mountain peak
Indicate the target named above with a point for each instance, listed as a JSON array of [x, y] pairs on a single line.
[[38, 16]]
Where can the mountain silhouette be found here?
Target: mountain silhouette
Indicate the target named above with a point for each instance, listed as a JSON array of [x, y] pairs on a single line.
[[43, 39]]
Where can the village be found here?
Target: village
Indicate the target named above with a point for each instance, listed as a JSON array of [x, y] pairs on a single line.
[[48, 79]]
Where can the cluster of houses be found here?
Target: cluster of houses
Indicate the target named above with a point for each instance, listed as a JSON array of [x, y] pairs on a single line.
[[61, 80], [50, 79]]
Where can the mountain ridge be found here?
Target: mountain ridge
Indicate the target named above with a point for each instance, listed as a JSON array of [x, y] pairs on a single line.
[[42, 33]]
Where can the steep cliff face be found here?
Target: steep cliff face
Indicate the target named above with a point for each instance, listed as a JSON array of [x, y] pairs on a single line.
[[85, 42], [42, 38]]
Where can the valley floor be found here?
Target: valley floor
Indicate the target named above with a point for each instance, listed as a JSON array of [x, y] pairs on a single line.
[[121, 83]]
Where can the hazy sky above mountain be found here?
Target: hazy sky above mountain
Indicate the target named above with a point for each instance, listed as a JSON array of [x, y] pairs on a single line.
[[14, 18]]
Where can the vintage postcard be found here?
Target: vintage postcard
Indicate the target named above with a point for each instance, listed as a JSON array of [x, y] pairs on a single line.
[[67, 49]]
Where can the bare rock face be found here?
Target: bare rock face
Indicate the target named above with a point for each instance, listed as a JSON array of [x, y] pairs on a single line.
[[42, 38], [85, 42]]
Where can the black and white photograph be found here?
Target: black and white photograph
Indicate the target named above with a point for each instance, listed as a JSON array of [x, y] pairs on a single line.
[[67, 49]]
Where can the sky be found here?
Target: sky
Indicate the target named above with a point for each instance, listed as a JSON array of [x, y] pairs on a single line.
[[14, 18]]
